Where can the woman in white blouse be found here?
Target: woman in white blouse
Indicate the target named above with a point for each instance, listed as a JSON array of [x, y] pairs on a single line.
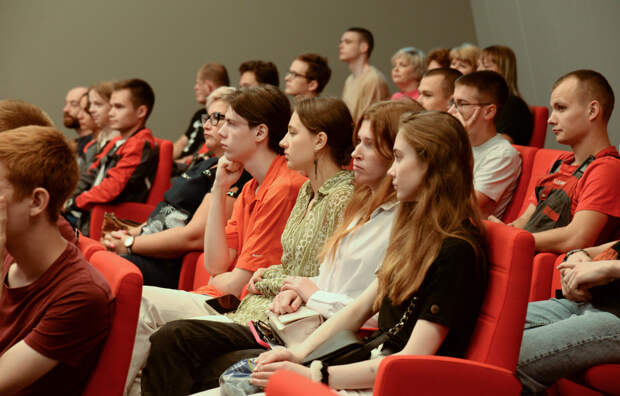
[[357, 247]]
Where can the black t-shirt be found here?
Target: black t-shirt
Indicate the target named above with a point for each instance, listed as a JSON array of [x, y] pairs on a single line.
[[195, 134], [516, 121], [451, 295], [82, 141]]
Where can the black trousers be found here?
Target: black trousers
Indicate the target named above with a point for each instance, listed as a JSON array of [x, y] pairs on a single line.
[[188, 356], [157, 272]]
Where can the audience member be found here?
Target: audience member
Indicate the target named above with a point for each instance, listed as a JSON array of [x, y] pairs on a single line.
[[55, 309], [318, 143], [354, 253], [366, 84], [515, 122], [17, 113], [438, 58], [407, 69], [464, 58], [307, 76], [256, 121], [126, 172], [176, 226], [88, 125], [70, 113], [436, 88], [576, 205], [99, 109], [257, 72], [435, 256], [565, 336], [210, 76], [478, 99]]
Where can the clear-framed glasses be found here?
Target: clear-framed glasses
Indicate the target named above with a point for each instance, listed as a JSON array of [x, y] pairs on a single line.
[[213, 118], [460, 106], [294, 74]]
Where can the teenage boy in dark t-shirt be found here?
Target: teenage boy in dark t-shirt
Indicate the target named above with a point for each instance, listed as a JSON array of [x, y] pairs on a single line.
[[55, 309]]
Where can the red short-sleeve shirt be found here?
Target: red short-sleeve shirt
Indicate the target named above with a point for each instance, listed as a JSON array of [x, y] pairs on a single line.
[[64, 315], [259, 217]]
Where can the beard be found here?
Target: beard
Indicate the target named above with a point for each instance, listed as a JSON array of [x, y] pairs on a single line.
[[71, 122]]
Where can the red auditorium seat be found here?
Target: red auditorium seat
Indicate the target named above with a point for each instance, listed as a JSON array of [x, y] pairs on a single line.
[[88, 246], [193, 273], [137, 211], [520, 195], [541, 114], [126, 284], [492, 356]]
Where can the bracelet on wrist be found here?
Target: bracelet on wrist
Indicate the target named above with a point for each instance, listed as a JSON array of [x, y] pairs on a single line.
[[570, 253]]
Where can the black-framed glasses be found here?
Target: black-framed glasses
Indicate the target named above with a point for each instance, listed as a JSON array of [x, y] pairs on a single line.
[[294, 74], [214, 118], [461, 105]]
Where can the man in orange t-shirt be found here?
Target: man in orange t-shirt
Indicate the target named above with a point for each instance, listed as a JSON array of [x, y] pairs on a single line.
[[256, 121]]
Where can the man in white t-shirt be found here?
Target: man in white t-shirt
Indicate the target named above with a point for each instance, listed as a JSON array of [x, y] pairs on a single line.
[[478, 98]]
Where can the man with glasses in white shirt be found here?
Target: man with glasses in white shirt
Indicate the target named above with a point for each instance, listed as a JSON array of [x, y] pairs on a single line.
[[478, 98]]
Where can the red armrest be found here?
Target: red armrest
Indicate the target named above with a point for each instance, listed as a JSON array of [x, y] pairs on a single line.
[[440, 375], [542, 274], [133, 211]]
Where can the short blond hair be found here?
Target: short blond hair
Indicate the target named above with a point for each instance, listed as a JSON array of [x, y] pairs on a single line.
[[466, 52]]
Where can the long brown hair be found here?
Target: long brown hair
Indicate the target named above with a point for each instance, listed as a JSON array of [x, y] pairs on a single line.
[[444, 207], [383, 118]]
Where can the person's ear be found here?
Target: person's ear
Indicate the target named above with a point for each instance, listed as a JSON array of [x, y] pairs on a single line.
[[320, 141], [141, 111], [313, 85], [40, 199], [490, 111], [210, 86], [364, 47], [262, 133], [594, 110]]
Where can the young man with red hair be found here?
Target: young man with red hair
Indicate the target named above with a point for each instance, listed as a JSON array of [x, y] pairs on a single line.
[[55, 309]]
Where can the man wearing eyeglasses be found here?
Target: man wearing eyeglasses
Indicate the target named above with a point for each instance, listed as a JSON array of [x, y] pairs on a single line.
[[307, 76], [366, 84], [478, 98], [209, 77]]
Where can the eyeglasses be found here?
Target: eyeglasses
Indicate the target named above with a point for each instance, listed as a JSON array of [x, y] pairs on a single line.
[[461, 105], [214, 118], [295, 74], [266, 333]]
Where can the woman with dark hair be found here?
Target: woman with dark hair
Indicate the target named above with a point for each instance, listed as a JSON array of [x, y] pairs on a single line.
[[515, 122], [435, 256], [318, 144]]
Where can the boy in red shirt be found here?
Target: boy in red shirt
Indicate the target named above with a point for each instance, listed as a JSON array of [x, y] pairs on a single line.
[[55, 309]]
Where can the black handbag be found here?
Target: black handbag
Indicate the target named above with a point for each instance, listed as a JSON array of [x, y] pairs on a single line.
[[345, 346]]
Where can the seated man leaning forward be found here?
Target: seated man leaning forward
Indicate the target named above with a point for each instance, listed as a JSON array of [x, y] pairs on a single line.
[[478, 99], [55, 309], [256, 120], [576, 204]]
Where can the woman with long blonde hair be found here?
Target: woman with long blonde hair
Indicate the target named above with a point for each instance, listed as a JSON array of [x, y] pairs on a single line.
[[515, 122], [435, 257]]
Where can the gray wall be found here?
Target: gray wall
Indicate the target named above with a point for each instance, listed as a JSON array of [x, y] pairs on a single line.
[[50, 46], [551, 38]]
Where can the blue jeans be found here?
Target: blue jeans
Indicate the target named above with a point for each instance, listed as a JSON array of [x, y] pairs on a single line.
[[563, 338]]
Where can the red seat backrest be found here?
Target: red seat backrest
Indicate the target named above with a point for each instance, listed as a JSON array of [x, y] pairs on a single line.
[[125, 281], [527, 163], [161, 182], [201, 276], [540, 114], [497, 336], [543, 160], [88, 246]]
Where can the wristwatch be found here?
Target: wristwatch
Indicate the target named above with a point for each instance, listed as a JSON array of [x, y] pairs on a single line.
[[128, 242]]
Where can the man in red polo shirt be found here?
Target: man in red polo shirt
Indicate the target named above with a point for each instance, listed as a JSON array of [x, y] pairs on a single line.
[[55, 308], [576, 204], [256, 120]]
